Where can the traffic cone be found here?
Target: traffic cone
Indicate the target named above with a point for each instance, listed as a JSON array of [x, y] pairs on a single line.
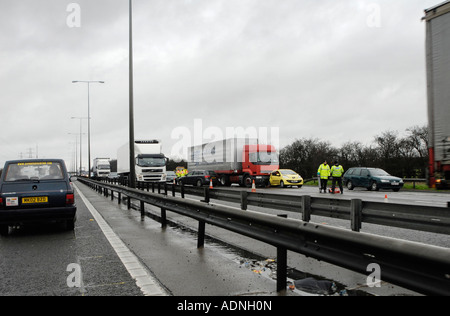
[[210, 184], [253, 186], [386, 199]]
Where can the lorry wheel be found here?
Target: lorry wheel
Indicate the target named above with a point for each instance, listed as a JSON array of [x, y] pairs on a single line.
[[225, 181], [248, 181]]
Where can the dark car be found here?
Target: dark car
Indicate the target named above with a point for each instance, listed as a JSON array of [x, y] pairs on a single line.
[[35, 191], [372, 179], [199, 178]]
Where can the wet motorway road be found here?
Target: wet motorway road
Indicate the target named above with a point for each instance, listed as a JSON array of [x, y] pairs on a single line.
[[44, 260], [35, 260]]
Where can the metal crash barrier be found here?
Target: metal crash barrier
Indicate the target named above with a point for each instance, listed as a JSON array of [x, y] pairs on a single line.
[[419, 267]]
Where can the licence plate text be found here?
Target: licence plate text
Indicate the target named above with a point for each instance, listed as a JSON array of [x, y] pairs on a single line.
[[32, 200]]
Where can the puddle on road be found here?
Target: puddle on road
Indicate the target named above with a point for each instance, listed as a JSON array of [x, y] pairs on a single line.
[[265, 267]]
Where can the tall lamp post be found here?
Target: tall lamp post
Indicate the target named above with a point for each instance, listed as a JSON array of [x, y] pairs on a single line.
[[132, 180], [89, 121], [81, 139]]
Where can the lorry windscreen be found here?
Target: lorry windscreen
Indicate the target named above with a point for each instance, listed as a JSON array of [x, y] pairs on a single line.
[[149, 161], [264, 158]]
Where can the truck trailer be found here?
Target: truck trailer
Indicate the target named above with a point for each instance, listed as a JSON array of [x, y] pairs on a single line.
[[438, 86], [150, 162], [235, 160], [101, 168]]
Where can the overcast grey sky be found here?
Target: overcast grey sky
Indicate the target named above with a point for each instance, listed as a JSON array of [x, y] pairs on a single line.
[[340, 71]]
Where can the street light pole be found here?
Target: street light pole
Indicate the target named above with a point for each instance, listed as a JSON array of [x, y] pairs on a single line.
[[81, 139], [89, 121], [132, 177]]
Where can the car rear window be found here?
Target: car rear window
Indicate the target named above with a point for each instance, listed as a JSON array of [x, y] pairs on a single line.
[[42, 170]]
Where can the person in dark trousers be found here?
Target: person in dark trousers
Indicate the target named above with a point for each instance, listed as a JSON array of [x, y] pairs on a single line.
[[337, 171], [323, 173]]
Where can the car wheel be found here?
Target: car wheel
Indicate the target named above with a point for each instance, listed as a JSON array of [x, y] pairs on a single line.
[[281, 184], [374, 186], [199, 183], [350, 185]]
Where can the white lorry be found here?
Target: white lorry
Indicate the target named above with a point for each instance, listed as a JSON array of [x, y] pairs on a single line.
[[150, 162], [101, 168]]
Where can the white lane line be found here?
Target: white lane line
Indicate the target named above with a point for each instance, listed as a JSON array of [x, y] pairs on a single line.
[[148, 285]]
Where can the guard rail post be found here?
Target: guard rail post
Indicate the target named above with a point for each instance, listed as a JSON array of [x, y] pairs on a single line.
[[142, 208], [306, 205], [201, 234], [356, 214], [244, 202], [163, 218], [206, 195], [281, 265]]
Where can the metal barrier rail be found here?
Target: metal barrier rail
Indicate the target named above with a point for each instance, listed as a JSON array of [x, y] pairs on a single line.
[[419, 267], [423, 218]]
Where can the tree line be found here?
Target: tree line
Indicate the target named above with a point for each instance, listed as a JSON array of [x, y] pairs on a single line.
[[405, 157]]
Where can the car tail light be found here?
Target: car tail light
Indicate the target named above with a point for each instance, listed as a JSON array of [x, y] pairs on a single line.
[[207, 177], [70, 199], [1, 201]]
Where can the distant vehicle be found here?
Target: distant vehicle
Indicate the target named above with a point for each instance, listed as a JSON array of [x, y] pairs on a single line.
[[372, 179], [235, 160], [199, 178], [113, 175], [34, 191], [171, 175], [101, 168], [150, 162], [285, 177]]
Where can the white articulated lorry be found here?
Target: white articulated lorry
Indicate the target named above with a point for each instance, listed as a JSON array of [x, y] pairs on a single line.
[[150, 162], [101, 168]]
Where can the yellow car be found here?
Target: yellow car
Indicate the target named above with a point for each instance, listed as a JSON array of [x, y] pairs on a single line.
[[285, 177]]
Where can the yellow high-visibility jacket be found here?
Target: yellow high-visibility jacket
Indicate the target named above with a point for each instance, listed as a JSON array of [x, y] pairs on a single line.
[[337, 171], [324, 171]]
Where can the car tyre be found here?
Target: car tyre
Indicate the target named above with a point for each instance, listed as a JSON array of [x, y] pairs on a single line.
[[374, 186], [199, 183], [350, 185], [248, 181]]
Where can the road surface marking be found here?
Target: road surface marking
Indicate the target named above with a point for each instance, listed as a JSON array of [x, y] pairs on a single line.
[[148, 285]]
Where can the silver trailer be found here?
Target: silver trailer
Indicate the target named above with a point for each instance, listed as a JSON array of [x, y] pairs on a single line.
[[438, 83]]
